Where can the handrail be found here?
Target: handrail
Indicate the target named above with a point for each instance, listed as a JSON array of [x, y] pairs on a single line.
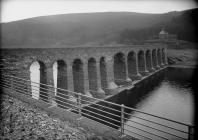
[[24, 86], [133, 109], [110, 103]]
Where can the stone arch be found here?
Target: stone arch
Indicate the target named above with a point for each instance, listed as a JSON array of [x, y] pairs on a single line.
[[119, 68], [92, 74], [38, 77], [141, 62], [163, 56], [154, 58], [159, 60], [148, 60], [78, 75], [132, 65], [103, 73], [60, 81], [60, 74]]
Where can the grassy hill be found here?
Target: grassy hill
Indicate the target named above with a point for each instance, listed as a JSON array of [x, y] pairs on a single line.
[[77, 29], [183, 25]]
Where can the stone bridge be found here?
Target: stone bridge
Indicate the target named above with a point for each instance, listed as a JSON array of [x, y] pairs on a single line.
[[94, 71]]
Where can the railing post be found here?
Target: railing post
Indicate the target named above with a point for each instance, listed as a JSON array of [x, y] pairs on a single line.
[[190, 132], [122, 120]]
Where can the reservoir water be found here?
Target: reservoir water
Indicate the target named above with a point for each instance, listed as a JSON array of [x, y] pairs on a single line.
[[167, 94]]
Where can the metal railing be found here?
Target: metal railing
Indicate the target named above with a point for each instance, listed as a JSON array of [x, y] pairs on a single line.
[[128, 121]]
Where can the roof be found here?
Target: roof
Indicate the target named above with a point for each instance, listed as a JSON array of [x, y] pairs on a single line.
[[163, 32]]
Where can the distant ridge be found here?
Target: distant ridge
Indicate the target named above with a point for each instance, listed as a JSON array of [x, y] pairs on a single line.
[[76, 29]]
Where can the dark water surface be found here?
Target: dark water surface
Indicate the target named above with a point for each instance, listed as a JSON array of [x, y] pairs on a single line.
[[167, 94]]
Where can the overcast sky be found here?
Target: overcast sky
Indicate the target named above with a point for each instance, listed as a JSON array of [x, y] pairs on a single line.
[[12, 10]]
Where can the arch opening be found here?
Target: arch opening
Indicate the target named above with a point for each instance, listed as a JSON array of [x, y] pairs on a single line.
[[154, 59], [119, 68], [132, 66], [163, 57], [103, 74], [37, 76], [60, 81], [159, 57], [92, 74], [148, 60], [78, 76], [141, 62]]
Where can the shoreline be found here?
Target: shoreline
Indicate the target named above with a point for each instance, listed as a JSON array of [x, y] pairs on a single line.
[[182, 66]]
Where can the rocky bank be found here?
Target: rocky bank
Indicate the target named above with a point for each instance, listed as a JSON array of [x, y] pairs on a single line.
[[20, 121]]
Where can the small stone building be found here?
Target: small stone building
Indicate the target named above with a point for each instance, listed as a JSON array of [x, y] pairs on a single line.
[[170, 39], [166, 36]]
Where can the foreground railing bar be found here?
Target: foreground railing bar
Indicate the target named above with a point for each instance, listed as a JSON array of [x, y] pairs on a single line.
[[157, 116], [75, 107], [101, 115], [7, 78], [66, 99], [40, 87], [157, 124], [125, 107], [101, 120], [29, 84], [14, 84], [84, 109], [17, 86], [116, 110], [65, 103], [82, 112], [48, 90], [56, 99], [40, 98], [49, 95], [26, 90], [63, 107], [57, 89], [152, 115], [68, 91], [156, 130], [6, 86], [104, 111], [123, 80], [30, 97], [148, 132], [26, 94], [139, 134], [39, 83], [5, 83], [102, 106]]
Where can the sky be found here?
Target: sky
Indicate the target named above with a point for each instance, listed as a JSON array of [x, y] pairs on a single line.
[[12, 10]]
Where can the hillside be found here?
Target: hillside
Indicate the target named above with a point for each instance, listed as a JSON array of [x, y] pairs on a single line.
[[77, 29], [182, 25]]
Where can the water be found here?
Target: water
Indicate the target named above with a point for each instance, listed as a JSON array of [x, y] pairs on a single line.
[[167, 94]]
